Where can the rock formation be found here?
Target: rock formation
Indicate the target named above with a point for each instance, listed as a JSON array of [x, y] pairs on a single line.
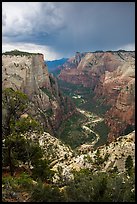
[[111, 75], [28, 73], [64, 158]]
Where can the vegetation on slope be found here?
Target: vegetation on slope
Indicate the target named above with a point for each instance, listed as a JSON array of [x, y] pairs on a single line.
[[102, 129], [83, 99], [72, 133], [18, 52], [86, 100], [100, 187], [20, 154]]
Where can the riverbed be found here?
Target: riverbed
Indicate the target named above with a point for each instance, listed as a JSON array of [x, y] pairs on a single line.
[[92, 120]]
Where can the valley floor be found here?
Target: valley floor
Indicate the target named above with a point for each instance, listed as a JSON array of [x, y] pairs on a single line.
[[92, 120]]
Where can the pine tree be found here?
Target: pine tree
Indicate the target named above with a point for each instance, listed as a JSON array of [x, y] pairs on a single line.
[[129, 165]]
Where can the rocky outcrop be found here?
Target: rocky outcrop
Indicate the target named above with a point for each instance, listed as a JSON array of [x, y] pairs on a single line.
[[64, 160], [29, 74], [111, 75], [73, 62]]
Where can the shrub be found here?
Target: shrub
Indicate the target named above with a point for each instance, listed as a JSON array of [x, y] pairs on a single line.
[[129, 165], [46, 193], [100, 187], [42, 170]]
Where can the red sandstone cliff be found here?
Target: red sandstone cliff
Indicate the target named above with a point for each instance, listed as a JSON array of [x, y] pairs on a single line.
[[111, 75]]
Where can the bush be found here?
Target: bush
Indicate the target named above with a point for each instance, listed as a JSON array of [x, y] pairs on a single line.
[[100, 187], [18, 149], [23, 181], [26, 124], [46, 193], [13, 105], [129, 165], [42, 170]]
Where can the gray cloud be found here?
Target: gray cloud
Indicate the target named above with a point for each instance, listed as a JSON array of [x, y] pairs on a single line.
[[68, 27], [98, 26], [3, 19]]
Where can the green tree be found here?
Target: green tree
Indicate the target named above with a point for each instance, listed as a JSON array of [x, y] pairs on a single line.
[[90, 186], [18, 149], [98, 159], [87, 187], [121, 188], [15, 147], [42, 170], [13, 105], [129, 165], [23, 125]]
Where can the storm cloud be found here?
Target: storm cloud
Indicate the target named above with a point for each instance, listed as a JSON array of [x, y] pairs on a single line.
[[62, 28]]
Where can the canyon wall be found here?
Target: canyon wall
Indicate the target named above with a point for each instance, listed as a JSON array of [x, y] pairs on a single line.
[[29, 74], [111, 76]]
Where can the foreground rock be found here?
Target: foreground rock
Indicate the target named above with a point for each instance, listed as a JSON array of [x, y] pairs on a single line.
[[64, 160]]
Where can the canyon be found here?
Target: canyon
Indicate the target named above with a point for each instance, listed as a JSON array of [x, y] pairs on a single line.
[[107, 78], [111, 77], [92, 92]]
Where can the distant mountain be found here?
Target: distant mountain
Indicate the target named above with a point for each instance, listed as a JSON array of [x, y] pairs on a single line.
[[53, 65]]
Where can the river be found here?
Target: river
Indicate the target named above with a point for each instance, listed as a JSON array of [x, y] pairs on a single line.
[[92, 119]]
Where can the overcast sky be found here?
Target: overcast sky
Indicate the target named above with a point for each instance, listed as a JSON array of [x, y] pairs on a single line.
[[59, 29]]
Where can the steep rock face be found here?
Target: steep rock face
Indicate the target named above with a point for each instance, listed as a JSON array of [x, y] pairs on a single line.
[[90, 68], [73, 61], [117, 88], [121, 116], [111, 75], [29, 74]]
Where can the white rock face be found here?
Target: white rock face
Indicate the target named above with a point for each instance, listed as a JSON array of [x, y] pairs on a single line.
[[64, 160], [29, 74], [25, 73], [27, 70]]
